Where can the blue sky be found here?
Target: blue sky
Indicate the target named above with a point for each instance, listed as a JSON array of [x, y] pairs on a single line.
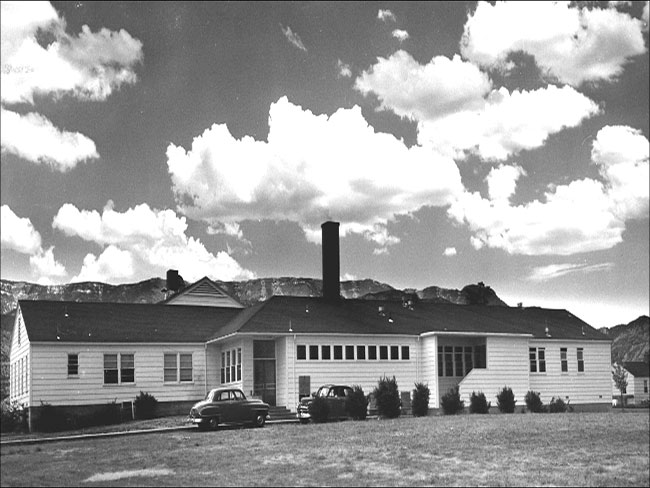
[[454, 142]]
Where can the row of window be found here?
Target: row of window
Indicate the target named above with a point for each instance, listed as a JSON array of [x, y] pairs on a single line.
[[18, 382], [119, 368], [537, 356], [326, 352], [231, 366], [460, 360]]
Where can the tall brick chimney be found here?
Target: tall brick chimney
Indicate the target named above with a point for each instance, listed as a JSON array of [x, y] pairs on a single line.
[[331, 261]]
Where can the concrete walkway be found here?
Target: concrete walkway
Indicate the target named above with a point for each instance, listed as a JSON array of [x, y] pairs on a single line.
[[96, 435]]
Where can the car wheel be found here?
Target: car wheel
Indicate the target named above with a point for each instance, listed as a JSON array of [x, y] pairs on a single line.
[[213, 423], [260, 420]]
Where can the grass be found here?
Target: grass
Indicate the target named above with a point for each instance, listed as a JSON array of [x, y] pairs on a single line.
[[597, 449]]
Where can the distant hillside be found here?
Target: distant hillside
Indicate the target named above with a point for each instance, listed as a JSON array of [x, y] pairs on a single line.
[[630, 342]]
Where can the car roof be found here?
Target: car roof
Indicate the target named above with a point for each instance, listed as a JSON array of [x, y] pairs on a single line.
[[334, 385]]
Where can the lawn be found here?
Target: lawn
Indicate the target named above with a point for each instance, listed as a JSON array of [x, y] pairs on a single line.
[[597, 449]]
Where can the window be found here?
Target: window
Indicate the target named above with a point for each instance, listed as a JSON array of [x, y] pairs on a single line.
[[223, 368], [228, 379], [372, 353], [73, 364], [645, 386], [301, 352], [127, 368], [110, 369], [349, 352], [537, 359], [441, 368], [178, 367], [394, 353], [325, 352], [458, 360], [406, 353], [469, 360], [338, 352], [480, 356], [581, 360], [563, 360], [361, 352], [239, 364], [383, 352], [313, 352]]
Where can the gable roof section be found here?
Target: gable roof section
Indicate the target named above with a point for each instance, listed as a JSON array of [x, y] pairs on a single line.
[[308, 315], [204, 292], [638, 369], [54, 321]]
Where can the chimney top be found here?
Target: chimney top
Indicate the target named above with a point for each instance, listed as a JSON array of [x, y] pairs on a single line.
[[331, 260]]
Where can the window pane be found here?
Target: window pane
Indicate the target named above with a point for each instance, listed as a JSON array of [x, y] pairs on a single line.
[[73, 364], [383, 352], [128, 375], [394, 353], [338, 352], [110, 361], [170, 361], [542, 359], [532, 355], [239, 356], [406, 353], [325, 352], [458, 360], [469, 364], [186, 367], [110, 369], [301, 352], [372, 352], [449, 361], [110, 376], [441, 366], [239, 372], [481, 358], [126, 361], [349, 352], [313, 352], [361, 352], [127, 371]]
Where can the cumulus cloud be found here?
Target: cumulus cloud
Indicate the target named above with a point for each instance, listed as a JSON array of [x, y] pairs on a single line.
[[507, 123], [17, 233], [552, 271], [293, 38], [386, 15], [459, 113], [584, 215], [450, 251], [573, 44], [61, 150], [312, 167], [400, 35], [88, 66], [155, 241], [424, 92], [344, 69]]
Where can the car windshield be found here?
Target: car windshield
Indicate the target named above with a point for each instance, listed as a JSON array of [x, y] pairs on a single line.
[[323, 392]]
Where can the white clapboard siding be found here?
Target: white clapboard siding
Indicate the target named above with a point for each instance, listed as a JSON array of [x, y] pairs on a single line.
[[51, 384], [429, 358], [639, 389], [20, 363], [365, 373], [591, 386], [206, 294], [507, 365]]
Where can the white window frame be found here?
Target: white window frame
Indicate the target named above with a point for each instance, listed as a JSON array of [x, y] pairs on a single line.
[[537, 356], [231, 361], [580, 358], [177, 368], [119, 368], [70, 355]]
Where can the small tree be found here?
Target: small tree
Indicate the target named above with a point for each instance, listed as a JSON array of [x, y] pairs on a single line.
[[506, 400], [619, 376], [420, 404], [145, 405], [387, 397], [478, 403], [451, 402], [356, 405]]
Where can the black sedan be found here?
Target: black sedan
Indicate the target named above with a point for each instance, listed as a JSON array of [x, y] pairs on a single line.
[[228, 406]]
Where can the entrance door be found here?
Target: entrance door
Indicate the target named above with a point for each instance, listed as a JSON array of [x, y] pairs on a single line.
[[264, 371]]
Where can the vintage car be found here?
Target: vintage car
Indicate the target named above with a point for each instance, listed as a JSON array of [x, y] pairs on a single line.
[[335, 395], [228, 406]]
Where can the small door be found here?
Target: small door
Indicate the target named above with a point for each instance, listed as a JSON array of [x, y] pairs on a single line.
[[264, 371]]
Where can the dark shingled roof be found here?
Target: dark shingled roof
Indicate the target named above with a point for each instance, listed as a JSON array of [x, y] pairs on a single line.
[[319, 316], [638, 369], [121, 322]]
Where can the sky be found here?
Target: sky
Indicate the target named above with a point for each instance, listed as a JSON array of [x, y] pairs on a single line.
[[455, 143]]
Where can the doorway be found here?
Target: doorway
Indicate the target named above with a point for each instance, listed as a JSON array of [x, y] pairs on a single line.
[[264, 371]]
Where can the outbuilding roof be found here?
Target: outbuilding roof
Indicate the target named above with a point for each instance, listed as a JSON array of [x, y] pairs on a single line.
[[638, 369], [55, 321]]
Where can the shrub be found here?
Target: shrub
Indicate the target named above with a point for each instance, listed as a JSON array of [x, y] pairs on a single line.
[[319, 409], [451, 402], [420, 405], [387, 397], [145, 406], [14, 417], [478, 403], [356, 405], [534, 402], [506, 400], [557, 405]]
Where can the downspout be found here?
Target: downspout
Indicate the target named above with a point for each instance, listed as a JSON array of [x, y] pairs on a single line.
[[205, 378], [293, 363]]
